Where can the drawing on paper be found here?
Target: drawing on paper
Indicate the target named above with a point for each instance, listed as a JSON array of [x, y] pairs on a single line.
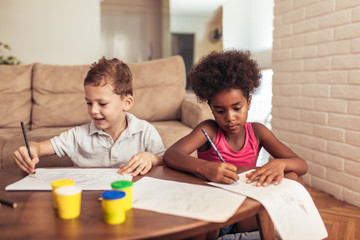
[[184, 200], [187, 200], [86, 178]]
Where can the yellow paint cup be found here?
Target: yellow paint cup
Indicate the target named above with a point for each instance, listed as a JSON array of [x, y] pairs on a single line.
[[125, 186], [69, 201], [59, 183], [112, 203]]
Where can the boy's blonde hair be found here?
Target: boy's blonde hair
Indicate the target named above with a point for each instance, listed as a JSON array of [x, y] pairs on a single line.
[[114, 72]]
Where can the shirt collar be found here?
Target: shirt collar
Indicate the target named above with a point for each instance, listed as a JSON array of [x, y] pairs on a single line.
[[93, 129]]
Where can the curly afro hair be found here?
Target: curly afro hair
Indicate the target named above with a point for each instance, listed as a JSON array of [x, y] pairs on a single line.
[[222, 71]]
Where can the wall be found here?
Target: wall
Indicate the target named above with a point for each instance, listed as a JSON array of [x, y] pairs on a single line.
[[52, 32], [316, 90], [134, 30], [247, 24], [201, 26], [166, 35]]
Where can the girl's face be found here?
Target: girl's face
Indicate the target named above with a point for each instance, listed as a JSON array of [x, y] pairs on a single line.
[[106, 108], [230, 109]]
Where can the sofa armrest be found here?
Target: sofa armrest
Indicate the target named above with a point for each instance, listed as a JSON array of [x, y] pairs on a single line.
[[194, 112]]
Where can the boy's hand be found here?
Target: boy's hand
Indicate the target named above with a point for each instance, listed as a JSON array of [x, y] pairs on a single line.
[[140, 163], [22, 158], [220, 172], [271, 171]]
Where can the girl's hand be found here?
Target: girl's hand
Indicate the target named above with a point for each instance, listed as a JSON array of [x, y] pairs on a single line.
[[271, 171], [219, 172], [140, 163], [23, 160]]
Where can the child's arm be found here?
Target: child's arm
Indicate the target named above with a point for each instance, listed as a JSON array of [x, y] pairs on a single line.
[[37, 149], [285, 160], [141, 163], [152, 153], [178, 156]]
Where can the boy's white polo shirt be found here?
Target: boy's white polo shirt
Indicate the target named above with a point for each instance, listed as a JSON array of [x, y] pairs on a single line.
[[88, 146]]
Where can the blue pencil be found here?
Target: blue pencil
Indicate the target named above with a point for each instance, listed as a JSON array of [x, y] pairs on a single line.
[[212, 145]]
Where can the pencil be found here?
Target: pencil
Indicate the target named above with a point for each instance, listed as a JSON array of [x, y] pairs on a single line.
[[10, 204], [212, 145], [26, 141]]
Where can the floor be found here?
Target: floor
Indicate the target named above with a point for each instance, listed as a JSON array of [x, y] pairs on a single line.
[[342, 220]]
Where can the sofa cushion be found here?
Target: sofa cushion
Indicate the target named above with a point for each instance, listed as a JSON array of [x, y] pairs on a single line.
[[159, 88], [15, 95], [12, 141], [171, 131], [58, 93], [194, 112]]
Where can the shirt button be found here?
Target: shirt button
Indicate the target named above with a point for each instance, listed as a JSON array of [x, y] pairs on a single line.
[[108, 139]]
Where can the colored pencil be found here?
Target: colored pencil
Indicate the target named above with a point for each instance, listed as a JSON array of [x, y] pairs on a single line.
[[10, 204], [26, 141], [212, 145]]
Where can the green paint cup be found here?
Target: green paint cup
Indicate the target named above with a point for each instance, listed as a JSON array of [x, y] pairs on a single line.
[[125, 186]]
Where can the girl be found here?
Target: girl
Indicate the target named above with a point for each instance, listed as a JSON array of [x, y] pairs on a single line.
[[226, 80]]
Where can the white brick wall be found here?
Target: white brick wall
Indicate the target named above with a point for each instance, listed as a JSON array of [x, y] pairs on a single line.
[[316, 90]]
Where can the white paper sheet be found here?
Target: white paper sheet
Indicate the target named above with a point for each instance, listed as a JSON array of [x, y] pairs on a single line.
[[86, 178], [186, 200], [289, 205]]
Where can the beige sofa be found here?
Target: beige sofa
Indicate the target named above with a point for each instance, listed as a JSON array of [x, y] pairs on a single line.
[[49, 99]]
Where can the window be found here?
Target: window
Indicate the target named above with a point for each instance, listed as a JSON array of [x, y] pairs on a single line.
[[260, 110]]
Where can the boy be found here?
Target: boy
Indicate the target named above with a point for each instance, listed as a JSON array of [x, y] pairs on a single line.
[[114, 138]]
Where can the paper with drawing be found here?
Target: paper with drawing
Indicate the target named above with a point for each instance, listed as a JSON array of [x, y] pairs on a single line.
[[187, 200], [289, 205], [86, 178]]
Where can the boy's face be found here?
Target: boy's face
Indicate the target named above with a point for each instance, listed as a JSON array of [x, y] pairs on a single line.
[[106, 108], [230, 109]]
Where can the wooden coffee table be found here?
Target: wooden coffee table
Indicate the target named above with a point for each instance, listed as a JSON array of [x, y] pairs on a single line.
[[35, 217]]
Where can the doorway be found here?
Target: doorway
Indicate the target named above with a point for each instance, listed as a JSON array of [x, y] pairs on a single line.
[[183, 45]]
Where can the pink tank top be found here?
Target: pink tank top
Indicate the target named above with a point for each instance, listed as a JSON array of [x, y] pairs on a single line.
[[246, 157]]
